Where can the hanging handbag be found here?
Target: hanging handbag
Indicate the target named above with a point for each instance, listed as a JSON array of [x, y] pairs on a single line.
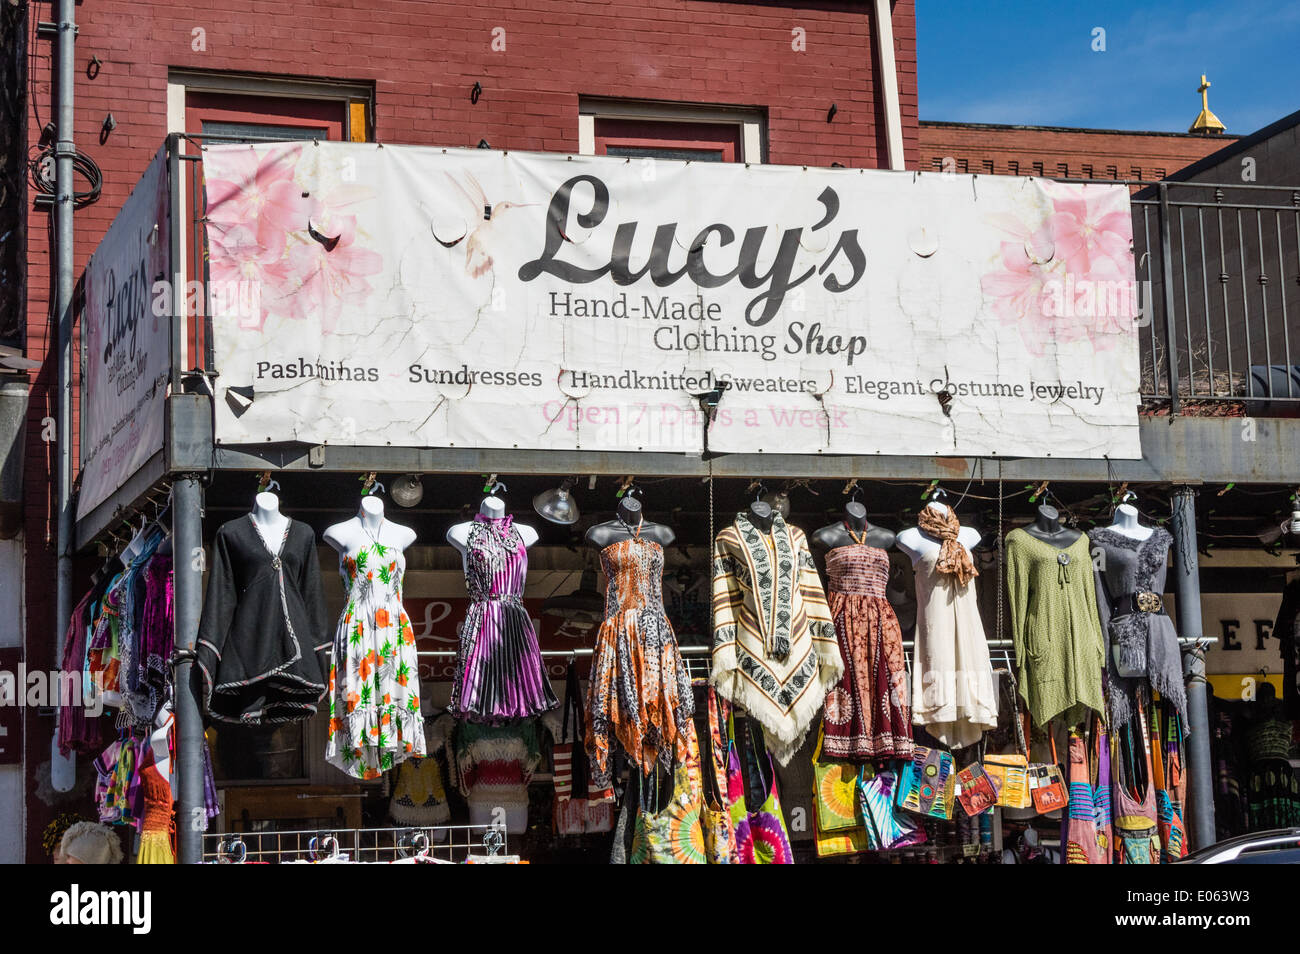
[[1169, 810], [1081, 844], [838, 829], [1101, 791], [574, 813], [672, 836], [715, 817], [1137, 833], [976, 790], [1047, 783], [887, 827], [1010, 772], [926, 783], [761, 836]]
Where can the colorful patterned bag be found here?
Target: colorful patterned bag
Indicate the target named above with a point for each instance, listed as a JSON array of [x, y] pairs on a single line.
[[715, 816], [926, 783], [1082, 846], [976, 791], [761, 837], [1010, 775], [838, 829], [1166, 751], [1101, 791], [672, 836], [1137, 834], [1047, 784], [887, 827]]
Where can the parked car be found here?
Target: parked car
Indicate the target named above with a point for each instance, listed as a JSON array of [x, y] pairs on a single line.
[[1280, 846]]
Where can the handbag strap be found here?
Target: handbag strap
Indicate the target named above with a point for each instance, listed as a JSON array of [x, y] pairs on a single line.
[[572, 690], [1014, 692]]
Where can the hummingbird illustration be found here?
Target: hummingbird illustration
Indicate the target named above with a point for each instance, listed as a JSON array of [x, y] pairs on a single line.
[[479, 238]]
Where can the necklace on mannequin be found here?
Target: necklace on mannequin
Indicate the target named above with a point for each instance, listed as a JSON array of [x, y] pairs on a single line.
[[635, 533], [374, 535], [859, 539]]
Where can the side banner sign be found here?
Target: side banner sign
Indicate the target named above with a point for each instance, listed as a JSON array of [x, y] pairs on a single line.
[[127, 344], [423, 297]]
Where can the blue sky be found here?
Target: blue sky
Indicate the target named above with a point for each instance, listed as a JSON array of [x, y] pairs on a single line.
[[1033, 63]]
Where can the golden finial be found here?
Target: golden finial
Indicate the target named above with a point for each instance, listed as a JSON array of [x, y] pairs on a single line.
[[1207, 124]]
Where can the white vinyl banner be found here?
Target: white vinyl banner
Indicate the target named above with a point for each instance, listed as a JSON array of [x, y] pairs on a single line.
[[425, 297], [127, 342]]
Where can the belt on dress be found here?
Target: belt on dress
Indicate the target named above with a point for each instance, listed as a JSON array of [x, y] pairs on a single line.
[[1143, 602], [501, 598]]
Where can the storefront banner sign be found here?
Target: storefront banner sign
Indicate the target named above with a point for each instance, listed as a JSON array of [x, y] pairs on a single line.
[[413, 296], [127, 343]]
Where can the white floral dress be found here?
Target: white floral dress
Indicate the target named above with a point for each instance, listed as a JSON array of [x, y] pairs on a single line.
[[374, 691]]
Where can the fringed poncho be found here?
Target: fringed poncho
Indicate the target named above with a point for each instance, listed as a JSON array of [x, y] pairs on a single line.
[[774, 646]]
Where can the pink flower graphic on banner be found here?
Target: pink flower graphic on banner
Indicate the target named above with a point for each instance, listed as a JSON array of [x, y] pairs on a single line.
[[259, 190], [244, 278], [282, 246], [329, 279], [1070, 276], [1087, 229]]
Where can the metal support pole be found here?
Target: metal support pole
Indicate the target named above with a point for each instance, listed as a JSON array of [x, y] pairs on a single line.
[[64, 251], [1167, 301], [187, 549], [1187, 587]]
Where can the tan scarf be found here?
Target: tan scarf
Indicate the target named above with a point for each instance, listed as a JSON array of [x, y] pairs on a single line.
[[954, 559]]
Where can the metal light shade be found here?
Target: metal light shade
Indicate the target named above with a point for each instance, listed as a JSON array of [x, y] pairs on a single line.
[[585, 604], [558, 505], [407, 490]]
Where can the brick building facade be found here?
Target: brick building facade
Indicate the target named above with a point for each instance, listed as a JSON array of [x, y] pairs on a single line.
[[1059, 152], [515, 74]]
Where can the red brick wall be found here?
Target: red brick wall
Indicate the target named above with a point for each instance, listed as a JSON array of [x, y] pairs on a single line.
[[1156, 154], [423, 58]]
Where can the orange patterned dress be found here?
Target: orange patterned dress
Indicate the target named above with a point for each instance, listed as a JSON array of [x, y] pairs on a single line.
[[868, 715], [639, 694]]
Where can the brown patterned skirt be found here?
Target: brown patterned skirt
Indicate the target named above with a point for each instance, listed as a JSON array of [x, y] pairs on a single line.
[[868, 714]]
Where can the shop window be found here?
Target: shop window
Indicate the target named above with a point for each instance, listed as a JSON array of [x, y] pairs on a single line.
[[670, 131], [698, 142], [251, 107]]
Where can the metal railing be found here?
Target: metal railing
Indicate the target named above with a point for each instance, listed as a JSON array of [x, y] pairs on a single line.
[[1219, 269]]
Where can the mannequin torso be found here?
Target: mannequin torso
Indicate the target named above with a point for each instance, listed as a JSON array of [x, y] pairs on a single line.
[[369, 526], [1047, 527], [853, 529], [917, 544], [270, 523], [1126, 522], [493, 508], [625, 525]]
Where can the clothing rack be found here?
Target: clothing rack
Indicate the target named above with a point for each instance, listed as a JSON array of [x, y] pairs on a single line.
[[444, 843]]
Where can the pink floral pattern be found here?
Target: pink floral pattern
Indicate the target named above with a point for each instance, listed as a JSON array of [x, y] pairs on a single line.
[[1069, 276], [262, 251]]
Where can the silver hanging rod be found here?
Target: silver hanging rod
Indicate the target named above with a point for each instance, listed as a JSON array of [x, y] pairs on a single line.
[[908, 645]]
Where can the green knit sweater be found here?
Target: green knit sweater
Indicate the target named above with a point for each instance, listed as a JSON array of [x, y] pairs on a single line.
[[1060, 651]]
